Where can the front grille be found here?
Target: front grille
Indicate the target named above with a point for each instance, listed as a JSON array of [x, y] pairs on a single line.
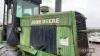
[[43, 38]]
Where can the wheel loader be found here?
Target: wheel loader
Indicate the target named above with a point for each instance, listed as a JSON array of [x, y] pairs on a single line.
[[26, 32]]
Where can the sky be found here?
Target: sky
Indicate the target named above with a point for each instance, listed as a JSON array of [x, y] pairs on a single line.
[[89, 8], [1, 10]]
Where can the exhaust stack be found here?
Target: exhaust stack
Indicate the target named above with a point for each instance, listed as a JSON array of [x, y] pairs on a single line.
[[58, 5]]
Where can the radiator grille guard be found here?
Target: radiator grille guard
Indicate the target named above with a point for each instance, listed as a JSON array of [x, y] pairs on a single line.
[[43, 38]]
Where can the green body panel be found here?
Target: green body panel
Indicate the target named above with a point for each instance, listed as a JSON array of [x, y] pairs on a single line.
[[65, 32], [74, 34], [67, 48], [28, 49], [64, 19], [24, 36]]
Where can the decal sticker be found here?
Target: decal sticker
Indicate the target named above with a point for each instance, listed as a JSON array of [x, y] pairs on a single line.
[[64, 41]]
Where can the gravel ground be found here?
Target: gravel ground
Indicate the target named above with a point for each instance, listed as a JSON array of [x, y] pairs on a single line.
[[96, 46]]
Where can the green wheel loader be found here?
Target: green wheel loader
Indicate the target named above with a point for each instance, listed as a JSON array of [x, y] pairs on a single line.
[[26, 33]]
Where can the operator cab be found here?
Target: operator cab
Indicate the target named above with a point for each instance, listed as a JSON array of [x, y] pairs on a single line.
[[13, 10], [19, 8], [26, 8]]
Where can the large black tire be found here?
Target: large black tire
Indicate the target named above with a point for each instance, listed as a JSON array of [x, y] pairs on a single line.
[[82, 40]]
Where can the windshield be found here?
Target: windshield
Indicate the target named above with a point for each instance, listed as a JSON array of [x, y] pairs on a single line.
[[26, 8]]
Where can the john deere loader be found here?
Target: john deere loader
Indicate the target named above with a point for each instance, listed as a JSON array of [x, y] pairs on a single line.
[[26, 32]]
